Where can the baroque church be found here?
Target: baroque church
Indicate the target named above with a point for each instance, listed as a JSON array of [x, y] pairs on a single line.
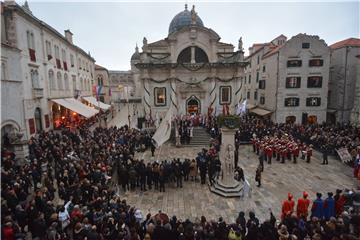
[[190, 71]]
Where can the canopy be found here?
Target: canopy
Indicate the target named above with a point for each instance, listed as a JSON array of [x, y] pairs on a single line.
[[96, 103], [163, 132], [260, 111], [76, 106], [250, 106]]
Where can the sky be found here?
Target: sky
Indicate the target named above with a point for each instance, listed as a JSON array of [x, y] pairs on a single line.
[[111, 30]]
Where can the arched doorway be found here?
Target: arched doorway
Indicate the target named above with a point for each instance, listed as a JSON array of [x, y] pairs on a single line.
[[38, 122], [193, 105]]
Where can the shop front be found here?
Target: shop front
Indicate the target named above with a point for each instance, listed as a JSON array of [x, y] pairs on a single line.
[[71, 113]]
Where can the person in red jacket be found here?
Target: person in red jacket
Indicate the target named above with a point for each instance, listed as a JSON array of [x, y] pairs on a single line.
[[287, 206], [269, 153], [303, 206], [295, 152], [339, 202], [309, 153], [8, 231]]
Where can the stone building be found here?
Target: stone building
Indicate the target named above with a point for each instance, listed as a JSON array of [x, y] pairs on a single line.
[[102, 79], [42, 73], [190, 70], [291, 79], [344, 85]]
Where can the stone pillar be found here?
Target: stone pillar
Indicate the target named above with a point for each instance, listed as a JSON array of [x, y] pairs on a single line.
[[21, 150], [227, 150], [192, 55]]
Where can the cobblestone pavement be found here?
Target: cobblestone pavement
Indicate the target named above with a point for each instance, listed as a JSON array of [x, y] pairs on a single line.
[[195, 200]]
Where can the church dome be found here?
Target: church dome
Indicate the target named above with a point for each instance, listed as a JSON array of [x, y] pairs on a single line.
[[136, 55], [183, 19]]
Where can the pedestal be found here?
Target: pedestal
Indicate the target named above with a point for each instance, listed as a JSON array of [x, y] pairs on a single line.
[[227, 186], [21, 151]]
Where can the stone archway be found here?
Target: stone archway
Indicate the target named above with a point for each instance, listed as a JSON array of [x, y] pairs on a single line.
[[193, 105]]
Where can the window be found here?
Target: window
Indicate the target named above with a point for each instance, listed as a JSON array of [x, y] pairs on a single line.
[[63, 56], [245, 80], [72, 60], [59, 81], [255, 95], [313, 101], [294, 63], [257, 76], [100, 80], [74, 82], [57, 57], [160, 96], [249, 78], [292, 102], [185, 55], [3, 71], [258, 59], [34, 78], [38, 121], [52, 80], [262, 84], [293, 82], [305, 45], [79, 63], [264, 68], [31, 45], [248, 95], [48, 50], [316, 62], [225, 95], [262, 100], [66, 81], [314, 82]]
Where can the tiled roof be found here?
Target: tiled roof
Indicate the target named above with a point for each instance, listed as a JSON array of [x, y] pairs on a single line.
[[274, 50], [353, 42]]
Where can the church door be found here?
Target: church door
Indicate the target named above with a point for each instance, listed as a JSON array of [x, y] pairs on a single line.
[[193, 105]]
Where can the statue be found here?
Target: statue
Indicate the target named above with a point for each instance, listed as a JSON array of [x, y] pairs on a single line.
[[193, 15], [144, 41], [240, 44]]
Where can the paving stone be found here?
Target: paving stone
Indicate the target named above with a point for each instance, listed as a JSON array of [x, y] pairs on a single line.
[[195, 200]]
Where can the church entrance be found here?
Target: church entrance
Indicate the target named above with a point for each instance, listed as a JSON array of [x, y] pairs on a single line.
[[193, 105]]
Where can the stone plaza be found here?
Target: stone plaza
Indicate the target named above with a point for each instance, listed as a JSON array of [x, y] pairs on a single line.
[[195, 200]]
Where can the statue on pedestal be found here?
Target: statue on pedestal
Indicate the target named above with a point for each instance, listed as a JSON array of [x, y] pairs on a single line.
[[240, 46]]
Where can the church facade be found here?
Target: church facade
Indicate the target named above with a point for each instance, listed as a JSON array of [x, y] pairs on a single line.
[[190, 71]]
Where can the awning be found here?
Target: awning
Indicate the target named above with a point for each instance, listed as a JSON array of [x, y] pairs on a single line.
[[260, 111], [97, 104], [76, 106], [250, 106]]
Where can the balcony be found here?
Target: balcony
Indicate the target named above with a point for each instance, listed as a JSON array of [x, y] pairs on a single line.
[[38, 92]]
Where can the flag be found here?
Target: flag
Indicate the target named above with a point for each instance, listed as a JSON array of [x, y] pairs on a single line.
[[241, 108], [98, 91]]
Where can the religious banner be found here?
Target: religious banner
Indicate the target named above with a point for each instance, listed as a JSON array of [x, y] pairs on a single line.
[[344, 155]]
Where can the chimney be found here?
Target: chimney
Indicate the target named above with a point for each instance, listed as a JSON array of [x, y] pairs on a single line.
[[69, 36]]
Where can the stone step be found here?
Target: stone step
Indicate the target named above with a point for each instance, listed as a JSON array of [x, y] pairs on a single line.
[[233, 184], [228, 190], [224, 194]]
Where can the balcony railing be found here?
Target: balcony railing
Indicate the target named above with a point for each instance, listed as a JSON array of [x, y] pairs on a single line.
[[38, 92]]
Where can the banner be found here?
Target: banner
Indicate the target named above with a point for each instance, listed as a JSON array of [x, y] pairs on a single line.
[[344, 155], [163, 132]]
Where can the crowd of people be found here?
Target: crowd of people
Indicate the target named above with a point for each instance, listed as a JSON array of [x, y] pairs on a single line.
[[65, 190], [322, 137]]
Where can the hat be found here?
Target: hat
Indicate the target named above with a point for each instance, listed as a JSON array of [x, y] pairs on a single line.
[[305, 194], [290, 196], [330, 194], [318, 195]]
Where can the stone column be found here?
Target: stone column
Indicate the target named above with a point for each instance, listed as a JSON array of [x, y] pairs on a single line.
[[192, 55], [227, 151]]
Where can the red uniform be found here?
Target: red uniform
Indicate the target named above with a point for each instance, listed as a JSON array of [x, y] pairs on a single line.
[[303, 206], [287, 206]]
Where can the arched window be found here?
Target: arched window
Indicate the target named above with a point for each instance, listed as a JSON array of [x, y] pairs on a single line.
[[59, 81], [100, 80], [66, 81], [38, 122], [34, 78], [52, 80], [190, 53]]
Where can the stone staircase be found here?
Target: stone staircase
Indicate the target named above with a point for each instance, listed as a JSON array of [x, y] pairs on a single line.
[[200, 137], [227, 189]]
